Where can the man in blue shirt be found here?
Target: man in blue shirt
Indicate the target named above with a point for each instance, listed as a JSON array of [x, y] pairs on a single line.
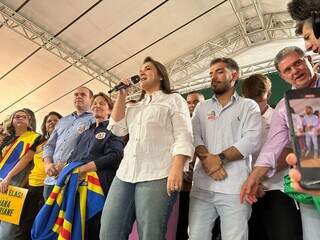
[[65, 135]]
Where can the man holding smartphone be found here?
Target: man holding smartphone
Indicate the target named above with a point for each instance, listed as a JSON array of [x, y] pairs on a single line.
[[295, 68]]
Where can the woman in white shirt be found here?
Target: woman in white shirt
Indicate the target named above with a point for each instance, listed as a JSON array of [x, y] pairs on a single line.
[[150, 174]]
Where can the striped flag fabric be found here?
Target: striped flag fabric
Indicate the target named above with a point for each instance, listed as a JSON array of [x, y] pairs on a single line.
[[14, 151], [71, 203]]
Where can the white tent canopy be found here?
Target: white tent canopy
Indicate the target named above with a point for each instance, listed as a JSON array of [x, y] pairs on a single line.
[[48, 48]]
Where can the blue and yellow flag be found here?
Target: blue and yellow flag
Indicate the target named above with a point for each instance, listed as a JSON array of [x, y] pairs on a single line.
[[14, 151], [71, 203]]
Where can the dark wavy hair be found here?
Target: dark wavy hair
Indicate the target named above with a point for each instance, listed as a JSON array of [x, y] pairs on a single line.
[[45, 134], [164, 76], [300, 10], [231, 64]]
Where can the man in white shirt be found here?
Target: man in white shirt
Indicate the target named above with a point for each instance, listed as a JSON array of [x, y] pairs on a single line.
[[227, 130]]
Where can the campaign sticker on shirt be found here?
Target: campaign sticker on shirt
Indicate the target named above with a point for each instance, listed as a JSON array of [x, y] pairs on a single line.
[[211, 115], [100, 135], [81, 129]]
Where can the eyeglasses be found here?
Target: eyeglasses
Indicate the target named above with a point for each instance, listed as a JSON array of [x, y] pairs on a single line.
[[20, 116]]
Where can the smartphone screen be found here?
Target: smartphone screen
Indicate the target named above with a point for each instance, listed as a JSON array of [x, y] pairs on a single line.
[[303, 112]]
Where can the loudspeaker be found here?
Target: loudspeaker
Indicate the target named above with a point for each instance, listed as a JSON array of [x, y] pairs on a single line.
[[316, 23]]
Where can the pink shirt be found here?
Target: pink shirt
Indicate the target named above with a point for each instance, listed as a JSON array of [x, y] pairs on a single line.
[[278, 137]]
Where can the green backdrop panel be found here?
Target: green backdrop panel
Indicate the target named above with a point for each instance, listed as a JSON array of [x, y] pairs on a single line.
[[279, 87]]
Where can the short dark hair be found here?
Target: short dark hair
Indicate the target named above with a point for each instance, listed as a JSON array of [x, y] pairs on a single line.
[[131, 101], [300, 10], [195, 92], [300, 24], [255, 86], [108, 99], [89, 90], [231, 64], [299, 27]]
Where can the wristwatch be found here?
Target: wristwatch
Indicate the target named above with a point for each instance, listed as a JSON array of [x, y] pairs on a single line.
[[223, 158]]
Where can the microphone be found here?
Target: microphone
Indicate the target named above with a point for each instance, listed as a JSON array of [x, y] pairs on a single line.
[[134, 79]]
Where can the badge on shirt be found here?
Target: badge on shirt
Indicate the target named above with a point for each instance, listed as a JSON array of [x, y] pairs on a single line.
[[100, 135], [81, 129], [212, 115]]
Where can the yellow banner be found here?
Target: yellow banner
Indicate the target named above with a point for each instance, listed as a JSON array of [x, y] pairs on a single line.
[[11, 204]]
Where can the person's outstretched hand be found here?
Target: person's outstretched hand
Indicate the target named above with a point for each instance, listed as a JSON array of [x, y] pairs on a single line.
[[295, 176]]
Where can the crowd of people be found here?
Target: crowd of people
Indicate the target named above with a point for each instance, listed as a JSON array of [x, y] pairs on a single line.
[[223, 159]]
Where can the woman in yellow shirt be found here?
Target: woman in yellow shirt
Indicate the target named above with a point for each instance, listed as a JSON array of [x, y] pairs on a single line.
[[16, 150], [34, 199]]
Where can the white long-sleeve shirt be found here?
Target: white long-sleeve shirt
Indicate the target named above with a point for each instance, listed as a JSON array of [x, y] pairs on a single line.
[[159, 128]]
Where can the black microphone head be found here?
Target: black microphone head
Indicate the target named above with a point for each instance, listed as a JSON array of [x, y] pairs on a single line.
[[135, 79]]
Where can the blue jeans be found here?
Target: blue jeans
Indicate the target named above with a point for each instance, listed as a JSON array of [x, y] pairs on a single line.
[[206, 206], [310, 222], [147, 202], [312, 143]]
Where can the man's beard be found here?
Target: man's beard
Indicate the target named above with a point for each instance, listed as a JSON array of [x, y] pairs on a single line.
[[220, 90]]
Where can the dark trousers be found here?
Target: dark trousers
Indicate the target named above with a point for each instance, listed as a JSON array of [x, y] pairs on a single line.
[[216, 231], [32, 205], [275, 217], [93, 227], [183, 220]]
